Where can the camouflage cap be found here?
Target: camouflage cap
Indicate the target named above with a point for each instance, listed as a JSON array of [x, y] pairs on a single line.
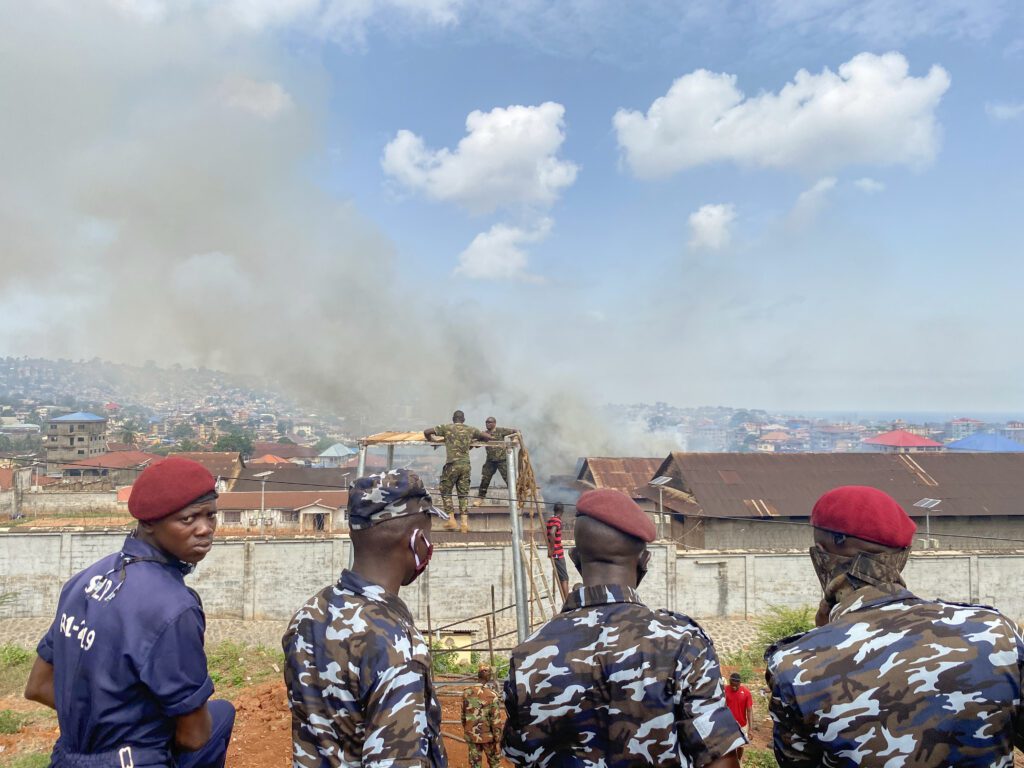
[[397, 493]]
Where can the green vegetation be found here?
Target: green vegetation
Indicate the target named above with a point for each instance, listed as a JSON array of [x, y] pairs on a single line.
[[233, 665], [747, 662], [15, 664], [759, 758], [782, 622], [36, 760], [11, 721], [444, 660]]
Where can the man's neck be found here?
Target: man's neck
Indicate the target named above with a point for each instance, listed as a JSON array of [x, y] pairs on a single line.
[[379, 572], [598, 574]]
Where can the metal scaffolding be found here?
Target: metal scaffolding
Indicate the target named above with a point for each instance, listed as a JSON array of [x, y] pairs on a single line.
[[514, 453]]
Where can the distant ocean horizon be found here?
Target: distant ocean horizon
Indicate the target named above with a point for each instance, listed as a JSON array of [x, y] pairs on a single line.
[[915, 417]]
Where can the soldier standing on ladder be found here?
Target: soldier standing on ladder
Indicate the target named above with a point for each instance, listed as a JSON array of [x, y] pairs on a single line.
[[458, 439]]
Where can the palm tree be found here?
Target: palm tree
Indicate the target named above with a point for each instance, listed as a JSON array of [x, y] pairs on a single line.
[[130, 433]]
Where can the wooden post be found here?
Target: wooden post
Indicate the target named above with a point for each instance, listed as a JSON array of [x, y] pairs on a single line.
[[490, 642]]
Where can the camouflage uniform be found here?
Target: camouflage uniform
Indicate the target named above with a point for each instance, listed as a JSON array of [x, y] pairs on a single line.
[[894, 680], [481, 722], [497, 460], [457, 440], [609, 682], [359, 686]]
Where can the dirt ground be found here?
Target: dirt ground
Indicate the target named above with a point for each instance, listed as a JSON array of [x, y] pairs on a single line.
[[261, 738], [262, 735]]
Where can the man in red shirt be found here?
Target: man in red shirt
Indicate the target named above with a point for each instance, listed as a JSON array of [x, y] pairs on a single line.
[[741, 704], [553, 529]]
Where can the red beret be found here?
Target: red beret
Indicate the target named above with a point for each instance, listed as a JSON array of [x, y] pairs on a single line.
[[162, 489], [616, 509], [864, 512]]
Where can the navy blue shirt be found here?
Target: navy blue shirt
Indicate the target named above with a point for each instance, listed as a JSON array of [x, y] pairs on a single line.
[[127, 652]]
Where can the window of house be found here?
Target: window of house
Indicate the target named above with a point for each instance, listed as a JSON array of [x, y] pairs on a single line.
[[289, 517], [81, 453], [81, 439], [230, 517]]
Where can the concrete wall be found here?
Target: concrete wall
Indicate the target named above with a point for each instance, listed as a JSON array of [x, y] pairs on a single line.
[[70, 502], [999, 533], [270, 579]]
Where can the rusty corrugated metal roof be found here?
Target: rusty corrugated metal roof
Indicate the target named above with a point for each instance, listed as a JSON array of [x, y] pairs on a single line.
[[787, 485], [628, 475]]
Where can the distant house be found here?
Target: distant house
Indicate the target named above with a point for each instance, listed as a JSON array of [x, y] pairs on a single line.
[[74, 437], [763, 501], [988, 442], [226, 466], [301, 454], [334, 456], [900, 441], [121, 467], [290, 477], [295, 511]]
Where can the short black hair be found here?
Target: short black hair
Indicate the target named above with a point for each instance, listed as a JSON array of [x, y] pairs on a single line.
[[458, 416], [558, 508]]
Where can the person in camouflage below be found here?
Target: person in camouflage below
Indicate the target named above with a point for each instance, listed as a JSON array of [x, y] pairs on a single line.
[[458, 439], [481, 720], [887, 678], [609, 682], [497, 460], [357, 671]]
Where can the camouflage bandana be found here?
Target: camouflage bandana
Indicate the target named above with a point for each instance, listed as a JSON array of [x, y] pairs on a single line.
[[840, 575], [376, 498]]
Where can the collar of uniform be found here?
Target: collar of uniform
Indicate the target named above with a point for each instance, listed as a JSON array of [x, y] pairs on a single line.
[[137, 548], [602, 594], [867, 597], [353, 582]]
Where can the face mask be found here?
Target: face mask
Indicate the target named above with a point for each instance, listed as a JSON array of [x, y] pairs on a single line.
[[881, 570], [642, 566], [421, 565]]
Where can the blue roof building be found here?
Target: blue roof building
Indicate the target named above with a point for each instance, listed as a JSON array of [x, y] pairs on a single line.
[[81, 416], [986, 442]]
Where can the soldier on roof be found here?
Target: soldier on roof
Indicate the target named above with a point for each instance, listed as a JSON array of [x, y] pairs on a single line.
[[496, 461], [458, 439]]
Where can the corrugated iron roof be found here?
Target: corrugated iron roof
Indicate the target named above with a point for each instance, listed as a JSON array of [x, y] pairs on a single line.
[[621, 473], [787, 485]]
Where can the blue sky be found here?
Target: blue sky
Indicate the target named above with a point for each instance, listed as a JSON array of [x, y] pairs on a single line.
[[292, 169]]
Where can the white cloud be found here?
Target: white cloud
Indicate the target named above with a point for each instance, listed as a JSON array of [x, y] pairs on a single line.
[[811, 201], [868, 185], [870, 112], [508, 157], [498, 254], [1009, 110], [709, 226], [264, 99]]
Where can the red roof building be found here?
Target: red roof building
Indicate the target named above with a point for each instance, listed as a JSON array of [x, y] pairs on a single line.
[[900, 441]]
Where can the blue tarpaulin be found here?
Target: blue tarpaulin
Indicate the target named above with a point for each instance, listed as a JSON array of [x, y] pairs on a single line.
[[987, 442]]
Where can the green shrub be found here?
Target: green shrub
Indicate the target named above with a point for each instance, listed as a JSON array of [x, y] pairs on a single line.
[[782, 622], [759, 758], [10, 721], [234, 665], [13, 656]]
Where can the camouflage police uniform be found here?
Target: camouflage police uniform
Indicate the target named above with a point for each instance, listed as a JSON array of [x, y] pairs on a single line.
[[455, 473], [497, 460], [357, 670], [894, 680], [609, 682], [481, 722]]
